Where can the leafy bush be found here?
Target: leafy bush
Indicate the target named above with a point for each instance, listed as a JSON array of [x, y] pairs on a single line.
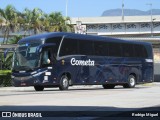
[[5, 78], [6, 63]]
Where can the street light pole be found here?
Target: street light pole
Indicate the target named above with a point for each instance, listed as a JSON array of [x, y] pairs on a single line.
[[122, 10], [66, 8], [150, 4]]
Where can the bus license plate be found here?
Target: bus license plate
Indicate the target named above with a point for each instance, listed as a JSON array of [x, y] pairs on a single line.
[[23, 84]]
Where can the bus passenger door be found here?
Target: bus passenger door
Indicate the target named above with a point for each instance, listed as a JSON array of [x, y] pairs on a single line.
[[47, 61]]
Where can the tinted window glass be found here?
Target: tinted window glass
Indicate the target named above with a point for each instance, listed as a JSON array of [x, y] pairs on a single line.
[[114, 49], [69, 47], [149, 51], [85, 47], [140, 51], [100, 48], [55, 40], [128, 50]]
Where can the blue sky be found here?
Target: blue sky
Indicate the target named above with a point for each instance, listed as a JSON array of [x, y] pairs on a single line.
[[80, 8]]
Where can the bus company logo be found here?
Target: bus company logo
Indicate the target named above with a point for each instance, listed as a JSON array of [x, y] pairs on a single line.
[[82, 62]]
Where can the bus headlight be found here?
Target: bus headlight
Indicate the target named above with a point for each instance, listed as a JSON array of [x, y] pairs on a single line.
[[12, 76]]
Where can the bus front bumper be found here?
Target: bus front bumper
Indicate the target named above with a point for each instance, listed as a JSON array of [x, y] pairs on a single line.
[[25, 81]]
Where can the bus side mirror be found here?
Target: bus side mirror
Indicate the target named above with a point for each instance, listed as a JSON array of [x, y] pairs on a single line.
[[7, 50], [39, 48]]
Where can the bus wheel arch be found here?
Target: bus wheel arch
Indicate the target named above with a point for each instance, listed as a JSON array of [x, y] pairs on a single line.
[[131, 81], [65, 81]]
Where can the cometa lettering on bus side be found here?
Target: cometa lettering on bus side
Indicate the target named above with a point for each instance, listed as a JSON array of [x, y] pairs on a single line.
[[82, 62]]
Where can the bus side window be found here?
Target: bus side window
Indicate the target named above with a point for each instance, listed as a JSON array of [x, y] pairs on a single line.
[[115, 49], [128, 50], [46, 57], [69, 47], [141, 51]]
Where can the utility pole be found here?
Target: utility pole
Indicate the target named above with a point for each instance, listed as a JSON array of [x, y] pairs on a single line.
[[122, 10], [66, 8], [150, 4]]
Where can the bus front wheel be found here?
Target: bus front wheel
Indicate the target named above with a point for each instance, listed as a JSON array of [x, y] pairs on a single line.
[[64, 83], [131, 82], [39, 88]]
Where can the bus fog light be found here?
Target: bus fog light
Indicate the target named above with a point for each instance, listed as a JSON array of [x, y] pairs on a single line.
[[36, 81], [45, 77]]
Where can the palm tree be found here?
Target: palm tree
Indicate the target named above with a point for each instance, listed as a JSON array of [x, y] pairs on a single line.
[[32, 20], [36, 20], [27, 18], [9, 14], [15, 39], [56, 22], [46, 23], [68, 27], [1, 22]]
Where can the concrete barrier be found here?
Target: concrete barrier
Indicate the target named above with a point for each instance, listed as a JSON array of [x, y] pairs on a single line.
[[157, 72]]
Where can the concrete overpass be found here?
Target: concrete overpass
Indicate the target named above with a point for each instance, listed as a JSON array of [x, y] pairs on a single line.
[[115, 26]]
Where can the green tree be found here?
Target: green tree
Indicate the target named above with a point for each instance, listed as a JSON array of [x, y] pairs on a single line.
[[55, 22], [9, 14], [68, 27], [27, 18], [7, 62], [1, 22], [15, 39], [36, 20]]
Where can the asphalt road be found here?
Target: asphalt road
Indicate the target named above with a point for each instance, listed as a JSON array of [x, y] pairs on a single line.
[[91, 102]]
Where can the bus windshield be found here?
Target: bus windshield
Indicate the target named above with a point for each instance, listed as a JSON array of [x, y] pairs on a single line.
[[25, 57]]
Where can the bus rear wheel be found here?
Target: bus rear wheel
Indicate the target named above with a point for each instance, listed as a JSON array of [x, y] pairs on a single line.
[[108, 86], [64, 83], [39, 88], [131, 82]]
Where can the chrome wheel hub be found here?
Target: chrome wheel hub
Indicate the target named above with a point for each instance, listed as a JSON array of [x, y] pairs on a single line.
[[132, 81], [65, 82]]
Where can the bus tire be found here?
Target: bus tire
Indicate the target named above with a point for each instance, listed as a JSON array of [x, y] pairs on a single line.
[[108, 86], [131, 82], [64, 83], [39, 88]]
